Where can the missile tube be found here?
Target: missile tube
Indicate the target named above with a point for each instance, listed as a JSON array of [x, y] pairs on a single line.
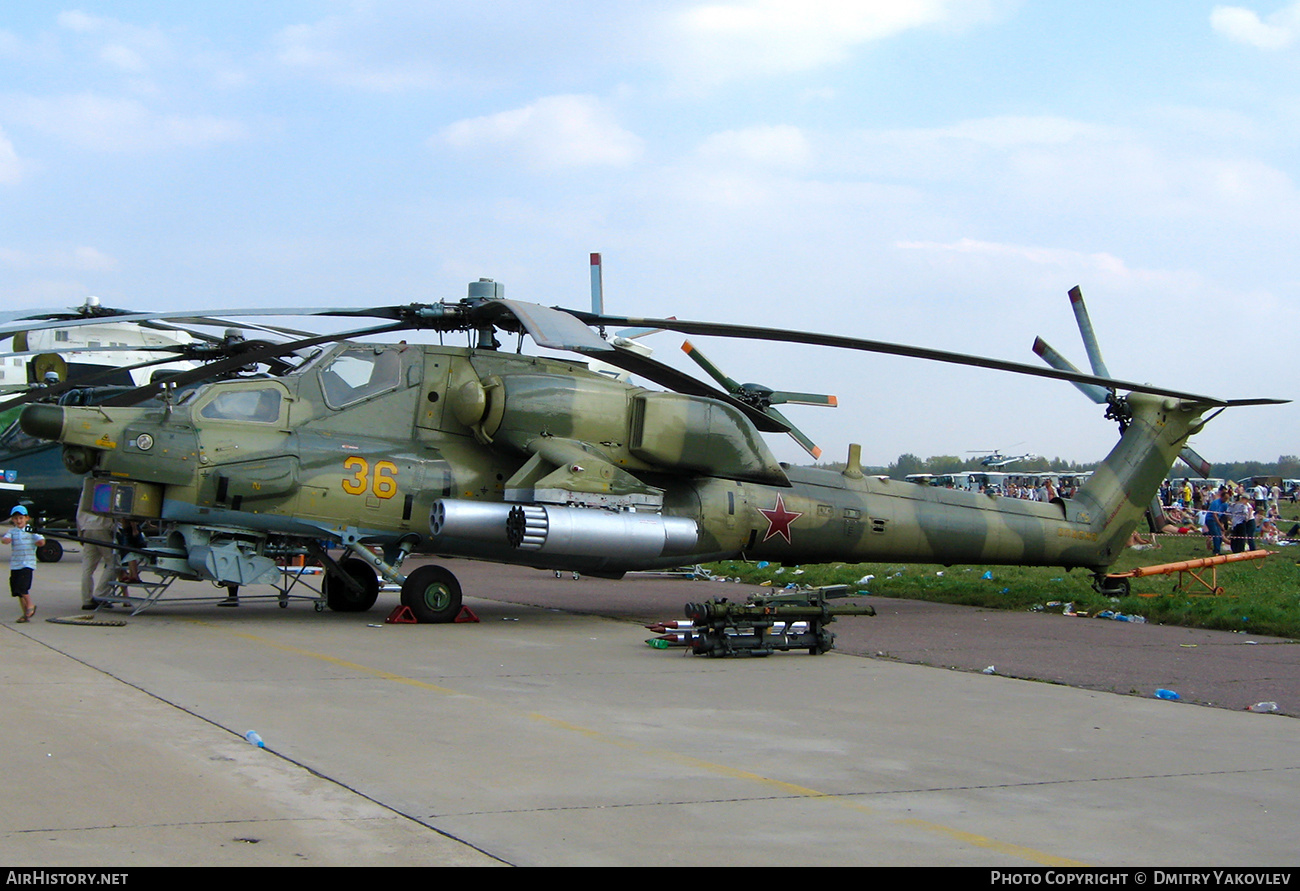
[[559, 531]]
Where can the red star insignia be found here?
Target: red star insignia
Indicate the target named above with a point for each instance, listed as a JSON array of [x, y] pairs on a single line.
[[779, 520]]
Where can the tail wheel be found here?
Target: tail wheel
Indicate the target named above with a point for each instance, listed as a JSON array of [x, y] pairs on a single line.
[[433, 594], [340, 596], [50, 552], [1110, 587]]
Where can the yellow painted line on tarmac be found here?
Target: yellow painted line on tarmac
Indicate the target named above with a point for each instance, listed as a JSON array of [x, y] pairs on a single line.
[[332, 660], [1019, 851], [1034, 856], [686, 760]]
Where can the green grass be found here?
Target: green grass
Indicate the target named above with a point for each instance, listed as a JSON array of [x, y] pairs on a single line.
[[1261, 596]]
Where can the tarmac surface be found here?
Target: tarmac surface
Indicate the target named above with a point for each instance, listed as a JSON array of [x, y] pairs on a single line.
[[548, 733]]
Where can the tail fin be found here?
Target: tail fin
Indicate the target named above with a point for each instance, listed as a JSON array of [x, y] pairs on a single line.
[[1116, 496]]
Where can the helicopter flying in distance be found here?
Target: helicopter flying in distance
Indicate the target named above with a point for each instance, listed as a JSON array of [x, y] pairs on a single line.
[[478, 452], [995, 458]]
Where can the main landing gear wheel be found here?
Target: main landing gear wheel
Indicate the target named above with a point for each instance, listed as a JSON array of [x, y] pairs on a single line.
[[432, 594], [340, 596], [50, 552]]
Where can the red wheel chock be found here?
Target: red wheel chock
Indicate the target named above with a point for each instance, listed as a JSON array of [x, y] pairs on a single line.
[[402, 615]]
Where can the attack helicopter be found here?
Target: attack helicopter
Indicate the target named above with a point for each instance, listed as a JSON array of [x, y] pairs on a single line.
[[388, 449]]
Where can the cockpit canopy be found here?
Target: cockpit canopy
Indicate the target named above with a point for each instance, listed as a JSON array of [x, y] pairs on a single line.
[[358, 373]]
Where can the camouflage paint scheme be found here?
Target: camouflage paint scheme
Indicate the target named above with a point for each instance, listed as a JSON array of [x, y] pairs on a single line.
[[645, 479]]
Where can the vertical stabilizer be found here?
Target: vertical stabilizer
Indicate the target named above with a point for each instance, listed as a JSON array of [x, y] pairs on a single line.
[[1118, 493]]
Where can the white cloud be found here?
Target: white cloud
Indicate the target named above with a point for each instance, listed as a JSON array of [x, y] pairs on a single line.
[[726, 41], [553, 132], [1009, 131], [1243, 25], [107, 124], [305, 46], [1065, 169], [779, 146], [1068, 261], [128, 47], [11, 168], [81, 258], [10, 45], [122, 57], [318, 49], [30, 52], [83, 23]]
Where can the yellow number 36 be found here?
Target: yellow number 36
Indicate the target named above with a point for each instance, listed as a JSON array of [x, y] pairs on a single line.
[[384, 484]]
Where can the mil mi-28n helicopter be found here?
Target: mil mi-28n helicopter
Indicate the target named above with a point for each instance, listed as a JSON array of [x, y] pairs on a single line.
[[482, 453]]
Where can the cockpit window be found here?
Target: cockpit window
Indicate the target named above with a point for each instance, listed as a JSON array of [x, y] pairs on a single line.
[[357, 374], [244, 405]]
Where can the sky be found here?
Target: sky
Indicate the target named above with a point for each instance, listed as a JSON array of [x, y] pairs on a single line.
[[931, 172]]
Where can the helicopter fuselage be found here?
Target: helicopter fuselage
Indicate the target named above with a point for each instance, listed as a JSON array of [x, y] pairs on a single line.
[[538, 461]]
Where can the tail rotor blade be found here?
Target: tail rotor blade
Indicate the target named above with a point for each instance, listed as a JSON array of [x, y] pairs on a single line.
[[1098, 394], [1196, 462], [1085, 329], [1049, 355]]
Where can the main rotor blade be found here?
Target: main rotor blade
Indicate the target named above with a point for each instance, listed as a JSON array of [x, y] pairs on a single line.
[[252, 357], [554, 329], [780, 335], [64, 348], [218, 322], [634, 333], [67, 320], [35, 393], [109, 316]]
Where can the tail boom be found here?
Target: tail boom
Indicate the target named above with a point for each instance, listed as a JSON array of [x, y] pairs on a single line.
[[829, 517]]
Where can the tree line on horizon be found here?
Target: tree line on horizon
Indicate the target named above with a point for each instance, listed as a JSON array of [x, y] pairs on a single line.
[[1286, 466]]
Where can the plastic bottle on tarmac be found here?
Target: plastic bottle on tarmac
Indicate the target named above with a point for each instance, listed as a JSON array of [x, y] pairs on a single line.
[[256, 740]]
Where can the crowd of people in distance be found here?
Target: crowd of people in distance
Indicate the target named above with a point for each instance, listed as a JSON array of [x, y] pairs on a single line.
[[1044, 489], [1040, 488], [1233, 517]]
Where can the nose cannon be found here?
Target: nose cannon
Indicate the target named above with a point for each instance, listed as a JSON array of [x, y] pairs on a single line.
[[43, 421], [47, 422]]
